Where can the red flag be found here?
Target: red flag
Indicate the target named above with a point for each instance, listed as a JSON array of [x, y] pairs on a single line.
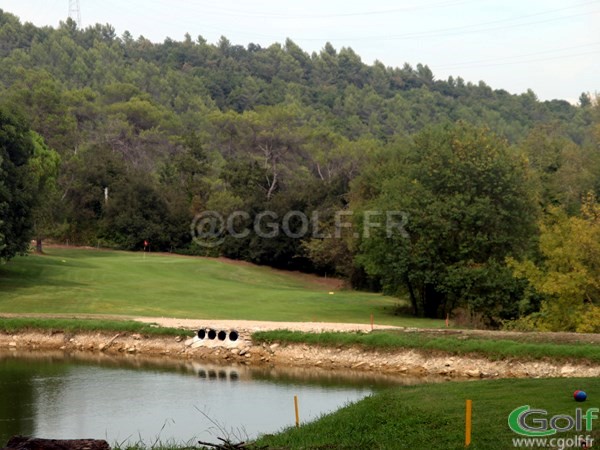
[[145, 243]]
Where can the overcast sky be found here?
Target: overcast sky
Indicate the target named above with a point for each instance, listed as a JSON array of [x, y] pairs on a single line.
[[549, 46]]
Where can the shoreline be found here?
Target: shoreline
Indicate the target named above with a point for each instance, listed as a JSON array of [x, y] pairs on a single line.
[[405, 362]]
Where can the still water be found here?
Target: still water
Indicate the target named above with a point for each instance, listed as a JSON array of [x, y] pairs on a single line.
[[128, 400]]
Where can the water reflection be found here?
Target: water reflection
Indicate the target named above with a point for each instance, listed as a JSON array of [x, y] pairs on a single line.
[[128, 399]]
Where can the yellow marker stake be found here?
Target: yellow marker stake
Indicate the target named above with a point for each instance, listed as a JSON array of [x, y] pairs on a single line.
[[296, 409], [468, 423]]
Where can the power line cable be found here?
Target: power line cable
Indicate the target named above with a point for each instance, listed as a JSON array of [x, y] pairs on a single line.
[[507, 59]]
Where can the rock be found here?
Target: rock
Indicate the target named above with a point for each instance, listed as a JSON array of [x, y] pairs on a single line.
[[248, 355], [274, 346], [243, 352], [567, 370], [474, 373], [417, 370], [357, 365], [131, 350], [235, 351], [197, 344], [12, 344], [102, 347], [178, 339], [136, 336]]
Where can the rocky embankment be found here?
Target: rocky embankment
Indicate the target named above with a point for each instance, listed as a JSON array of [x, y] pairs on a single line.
[[409, 362]]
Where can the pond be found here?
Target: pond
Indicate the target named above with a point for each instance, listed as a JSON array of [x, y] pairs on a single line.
[[134, 400]]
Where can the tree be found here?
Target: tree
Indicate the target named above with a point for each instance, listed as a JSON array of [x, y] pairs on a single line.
[[136, 211], [16, 200], [276, 132], [585, 100], [563, 170], [568, 273], [43, 168], [464, 204]]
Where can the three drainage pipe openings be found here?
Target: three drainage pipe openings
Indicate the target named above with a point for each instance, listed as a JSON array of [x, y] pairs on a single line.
[[221, 335]]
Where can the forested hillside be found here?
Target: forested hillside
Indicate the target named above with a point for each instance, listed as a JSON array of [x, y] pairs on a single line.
[[138, 138]]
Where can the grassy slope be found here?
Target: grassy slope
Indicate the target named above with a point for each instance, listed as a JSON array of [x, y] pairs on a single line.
[[121, 283], [432, 416], [16, 324]]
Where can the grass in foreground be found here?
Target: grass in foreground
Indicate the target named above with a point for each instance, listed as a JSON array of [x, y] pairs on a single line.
[[12, 325], [433, 416], [454, 344], [78, 281]]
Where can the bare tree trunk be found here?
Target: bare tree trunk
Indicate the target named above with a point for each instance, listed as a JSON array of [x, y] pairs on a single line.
[[273, 185], [319, 171], [38, 246], [413, 298]]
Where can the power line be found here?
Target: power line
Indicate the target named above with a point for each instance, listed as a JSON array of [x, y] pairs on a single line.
[[523, 58], [468, 29], [215, 10]]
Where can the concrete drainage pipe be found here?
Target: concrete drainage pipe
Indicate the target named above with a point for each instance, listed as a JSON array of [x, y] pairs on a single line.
[[221, 335]]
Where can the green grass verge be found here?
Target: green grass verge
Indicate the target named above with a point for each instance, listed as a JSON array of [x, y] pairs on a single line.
[[79, 281], [433, 416], [16, 324], [453, 344]]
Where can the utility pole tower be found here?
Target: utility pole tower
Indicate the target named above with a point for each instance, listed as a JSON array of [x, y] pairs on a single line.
[[75, 12]]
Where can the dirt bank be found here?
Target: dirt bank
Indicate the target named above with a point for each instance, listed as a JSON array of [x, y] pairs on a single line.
[[408, 362]]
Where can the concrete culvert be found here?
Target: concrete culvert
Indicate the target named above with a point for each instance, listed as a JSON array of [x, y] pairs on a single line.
[[222, 335], [202, 333], [212, 334], [233, 335]]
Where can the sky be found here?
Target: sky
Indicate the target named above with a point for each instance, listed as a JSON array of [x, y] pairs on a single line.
[[549, 46]]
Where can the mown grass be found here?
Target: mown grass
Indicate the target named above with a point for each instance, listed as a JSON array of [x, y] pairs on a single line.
[[453, 344], [17, 324], [433, 416], [80, 281]]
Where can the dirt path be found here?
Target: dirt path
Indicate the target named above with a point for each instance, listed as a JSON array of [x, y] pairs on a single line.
[[256, 325]]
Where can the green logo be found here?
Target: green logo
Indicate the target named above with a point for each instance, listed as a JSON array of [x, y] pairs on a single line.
[[533, 422]]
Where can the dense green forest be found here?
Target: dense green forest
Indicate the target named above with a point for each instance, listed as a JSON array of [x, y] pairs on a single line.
[[131, 142]]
